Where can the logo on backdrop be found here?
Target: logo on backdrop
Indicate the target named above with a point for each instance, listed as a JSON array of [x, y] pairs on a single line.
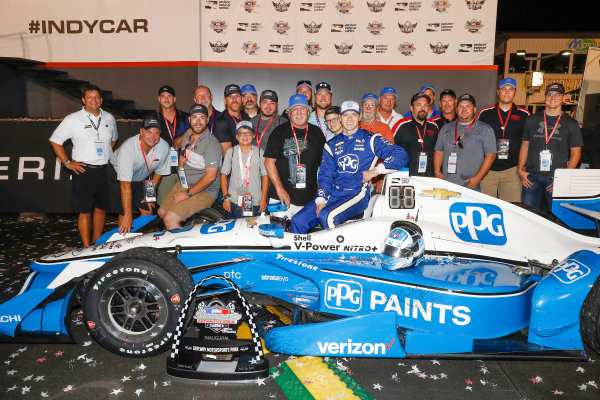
[[313, 27], [376, 6], [250, 5], [343, 48], [344, 7], [408, 6], [407, 27], [406, 48], [218, 25], [439, 48], [250, 48], [475, 4], [282, 6], [478, 223], [218, 47], [343, 295], [281, 27], [312, 48], [375, 27], [441, 5], [473, 25], [570, 270]]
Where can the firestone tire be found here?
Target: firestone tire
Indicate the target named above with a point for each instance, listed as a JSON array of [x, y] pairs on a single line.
[[132, 304], [589, 318]]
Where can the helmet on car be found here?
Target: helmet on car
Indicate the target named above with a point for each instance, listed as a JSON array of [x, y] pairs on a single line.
[[402, 248]]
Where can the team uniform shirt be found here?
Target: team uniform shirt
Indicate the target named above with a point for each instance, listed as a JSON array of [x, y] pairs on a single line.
[[237, 185], [477, 142], [320, 122], [392, 120], [225, 124], [513, 121], [80, 127], [434, 113], [212, 119], [440, 121], [566, 136], [282, 147], [379, 127], [131, 166], [199, 155], [407, 136], [264, 128]]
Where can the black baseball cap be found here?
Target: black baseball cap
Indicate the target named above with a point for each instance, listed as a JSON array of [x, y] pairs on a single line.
[[466, 97], [269, 94], [232, 88], [448, 92], [166, 88], [151, 122], [555, 87], [418, 96], [198, 109]]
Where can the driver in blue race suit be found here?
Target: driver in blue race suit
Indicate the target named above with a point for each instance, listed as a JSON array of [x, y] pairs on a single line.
[[347, 167]]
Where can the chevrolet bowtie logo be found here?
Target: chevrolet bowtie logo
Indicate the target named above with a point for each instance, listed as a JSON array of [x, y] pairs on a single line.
[[440, 194]]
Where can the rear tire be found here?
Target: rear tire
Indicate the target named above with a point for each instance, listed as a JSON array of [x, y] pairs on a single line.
[[589, 318]]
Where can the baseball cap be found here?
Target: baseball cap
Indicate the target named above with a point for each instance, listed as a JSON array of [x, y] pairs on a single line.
[[248, 88], [323, 85], [370, 96], [151, 122], [198, 109], [298, 100], [425, 87], [448, 92], [388, 90], [166, 88], [304, 83], [244, 124], [555, 87], [269, 94], [418, 96], [232, 88], [508, 81], [466, 97], [350, 105]]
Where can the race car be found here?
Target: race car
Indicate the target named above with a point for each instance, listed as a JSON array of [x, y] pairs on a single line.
[[494, 279]]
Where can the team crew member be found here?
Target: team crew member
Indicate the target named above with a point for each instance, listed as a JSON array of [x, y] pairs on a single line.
[[323, 96], [293, 156], [447, 107], [418, 136], [346, 170], [465, 148], [226, 122], [304, 88], [507, 120], [203, 95], [249, 98], [135, 170], [173, 124], [244, 178], [387, 103], [332, 119], [368, 117], [268, 119], [199, 164], [551, 139], [432, 112], [93, 133]]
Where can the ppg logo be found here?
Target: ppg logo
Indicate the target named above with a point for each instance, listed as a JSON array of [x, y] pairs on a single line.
[[570, 270], [348, 163], [343, 295], [218, 227], [478, 223]]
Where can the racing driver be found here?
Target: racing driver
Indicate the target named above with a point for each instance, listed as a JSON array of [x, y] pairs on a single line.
[[347, 167]]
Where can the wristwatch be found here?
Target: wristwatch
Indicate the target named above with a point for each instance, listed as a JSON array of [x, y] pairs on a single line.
[[226, 197], [66, 163], [189, 194]]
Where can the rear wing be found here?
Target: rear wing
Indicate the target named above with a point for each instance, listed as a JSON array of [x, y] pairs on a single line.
[[576, 198]]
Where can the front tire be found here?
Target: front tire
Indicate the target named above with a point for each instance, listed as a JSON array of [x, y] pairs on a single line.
[[589, 318], [132, 304]]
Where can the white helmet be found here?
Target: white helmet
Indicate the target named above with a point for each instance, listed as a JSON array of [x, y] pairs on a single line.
[[402, 248]]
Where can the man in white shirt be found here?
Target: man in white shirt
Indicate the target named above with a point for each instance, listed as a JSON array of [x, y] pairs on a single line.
[[387, 103], [93, 133]]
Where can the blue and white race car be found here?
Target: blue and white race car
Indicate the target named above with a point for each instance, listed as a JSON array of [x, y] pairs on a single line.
[[495, 279]]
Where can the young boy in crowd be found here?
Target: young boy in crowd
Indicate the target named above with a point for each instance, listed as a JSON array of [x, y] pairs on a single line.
[[245, 194]]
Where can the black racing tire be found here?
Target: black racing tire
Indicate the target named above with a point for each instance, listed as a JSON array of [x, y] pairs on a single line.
[[131, 305], [589, 318], [207, 215]]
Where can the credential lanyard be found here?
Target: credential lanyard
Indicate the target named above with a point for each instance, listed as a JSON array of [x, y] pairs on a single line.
[[245, 169], [188, 154], [172, 134], [264, 130], [296, 139], [96, 127], [421, 136], [553, 129], [151, 158], [503, 124], [457, 139]]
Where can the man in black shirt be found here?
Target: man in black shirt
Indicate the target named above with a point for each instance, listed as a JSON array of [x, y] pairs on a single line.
[[447, 107], [507, 121], [225, 124], [417, 136], [293, 156], [551, 139]]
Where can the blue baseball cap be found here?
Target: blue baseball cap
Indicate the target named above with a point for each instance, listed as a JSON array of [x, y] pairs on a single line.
[[244, 124], [323, 85], [388, 90], [508, 81], [248, 88], [370, 96], [349, 105], [298, 100], [425, 87]]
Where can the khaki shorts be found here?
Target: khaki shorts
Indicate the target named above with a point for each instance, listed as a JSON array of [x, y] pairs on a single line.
[[188, 207]]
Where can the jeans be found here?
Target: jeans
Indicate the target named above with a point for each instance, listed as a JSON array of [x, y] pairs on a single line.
[[236, 211], [533, 195]]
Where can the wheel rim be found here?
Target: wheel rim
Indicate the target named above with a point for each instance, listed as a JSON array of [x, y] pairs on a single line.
[[135, 309]]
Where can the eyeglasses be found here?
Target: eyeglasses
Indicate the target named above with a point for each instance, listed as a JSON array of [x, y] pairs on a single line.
[[329, 121], [369, 106], [555, 94], [245, 133]]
